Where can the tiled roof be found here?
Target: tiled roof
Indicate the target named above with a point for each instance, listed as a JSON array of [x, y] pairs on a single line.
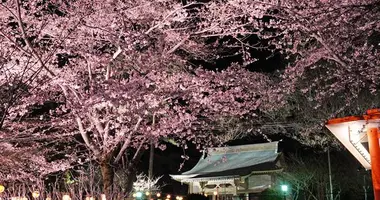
[[235, 160]]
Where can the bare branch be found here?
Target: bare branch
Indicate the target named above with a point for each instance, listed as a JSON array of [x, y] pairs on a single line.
[[127, 141]]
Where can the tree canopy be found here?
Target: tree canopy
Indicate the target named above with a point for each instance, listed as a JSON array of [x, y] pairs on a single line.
[[113, 76]]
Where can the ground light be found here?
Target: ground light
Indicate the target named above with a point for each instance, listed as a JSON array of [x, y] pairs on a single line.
[[2, 188], [139, 194], [284, 189], [66, 197], [35, 194]]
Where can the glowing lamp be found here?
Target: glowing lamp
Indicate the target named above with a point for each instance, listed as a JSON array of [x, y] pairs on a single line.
[[66, 197], [284, 188], [2, 188], [215, 193], [139, 194], [35, 194], [168, 196], [147, 193], [103, 197], [48, 198], [158, 194]]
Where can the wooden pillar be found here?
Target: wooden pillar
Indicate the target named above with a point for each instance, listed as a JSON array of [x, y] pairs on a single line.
[[374, 149]]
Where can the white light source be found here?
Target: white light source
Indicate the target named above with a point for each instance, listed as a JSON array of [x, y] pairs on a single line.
[[284, 188], [139, 194], [66, 197], [215, 193]]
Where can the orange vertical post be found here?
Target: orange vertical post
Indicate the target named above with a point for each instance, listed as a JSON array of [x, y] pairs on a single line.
[[374, 150]]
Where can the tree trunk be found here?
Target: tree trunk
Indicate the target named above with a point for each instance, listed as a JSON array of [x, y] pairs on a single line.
[[131, 178], [107, 176]]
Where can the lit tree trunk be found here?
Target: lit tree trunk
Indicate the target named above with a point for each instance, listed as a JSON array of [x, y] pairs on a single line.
[[107, 175]]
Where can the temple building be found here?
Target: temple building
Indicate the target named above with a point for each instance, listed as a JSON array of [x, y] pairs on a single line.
[[235, 172]]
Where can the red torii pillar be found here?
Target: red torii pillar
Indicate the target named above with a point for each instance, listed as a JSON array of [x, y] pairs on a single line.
[[374, 150], [373, 118]]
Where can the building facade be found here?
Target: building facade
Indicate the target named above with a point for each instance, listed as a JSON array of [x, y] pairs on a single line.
[[235, 172]]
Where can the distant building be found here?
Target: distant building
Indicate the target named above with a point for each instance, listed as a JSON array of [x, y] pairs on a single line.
[[235, 172]]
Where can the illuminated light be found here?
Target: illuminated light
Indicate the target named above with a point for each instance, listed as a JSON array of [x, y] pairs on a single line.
[[215, 193], [103, 197], [177, 197], [139, 194], [90, 198], [205, 195], [2, 188], [35, 194], [158, 194], [167, 199], [66, 197], [284, 188], [134, 195], [168, 196], [147, 193], [180, 198], [48, 198]]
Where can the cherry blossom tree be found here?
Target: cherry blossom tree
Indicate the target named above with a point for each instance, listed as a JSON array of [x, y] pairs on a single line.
[[121, 73], [119, 78]]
